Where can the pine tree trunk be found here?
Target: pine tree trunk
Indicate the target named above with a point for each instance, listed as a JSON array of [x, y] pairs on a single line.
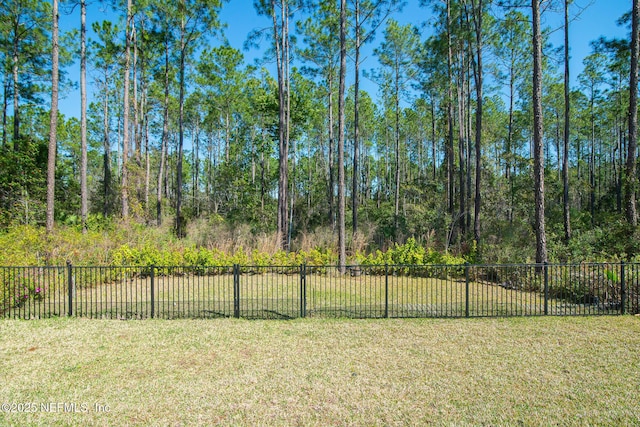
[[356, 122], [124, 191], [5, 108], [53, 125], [281, 46], [462, 167], [106, 207], [567, 129], [179, 221], [631, 179], [342, 257], [434, 170], [137, 146], [396, 139], [541, 238], [331, 189], [510, 144], [165, 136], [16, 94], [449, 149], [479, 110], [147, 172], [83, 117]]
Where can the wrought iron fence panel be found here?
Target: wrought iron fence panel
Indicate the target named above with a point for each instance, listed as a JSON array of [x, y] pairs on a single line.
[[286, 292]]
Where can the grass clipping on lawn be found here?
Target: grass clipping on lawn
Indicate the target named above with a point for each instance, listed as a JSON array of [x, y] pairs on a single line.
[[520, 371]]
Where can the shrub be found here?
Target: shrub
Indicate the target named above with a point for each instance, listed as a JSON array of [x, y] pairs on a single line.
[[23, 245], [136, 245], [319, 257], [587, 286], [408, 254], [260, 259]]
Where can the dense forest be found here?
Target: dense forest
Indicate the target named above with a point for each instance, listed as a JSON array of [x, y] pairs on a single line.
[[479, 140]]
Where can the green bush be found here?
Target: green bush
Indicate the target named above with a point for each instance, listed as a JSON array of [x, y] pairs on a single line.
[[410, 254], [203, 259], [319, 257], [140, 247], [23, 245], [587, 286]]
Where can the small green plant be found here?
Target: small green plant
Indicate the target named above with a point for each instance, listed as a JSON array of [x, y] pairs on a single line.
[[611, 275], [19, 287]]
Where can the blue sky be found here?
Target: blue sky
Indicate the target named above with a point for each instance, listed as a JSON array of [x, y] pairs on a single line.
[[598, 19]]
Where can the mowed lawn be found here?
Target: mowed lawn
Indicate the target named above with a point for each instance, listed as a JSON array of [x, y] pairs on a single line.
[[518, 371]]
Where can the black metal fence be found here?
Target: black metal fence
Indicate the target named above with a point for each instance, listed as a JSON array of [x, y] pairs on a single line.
[[287, 292]]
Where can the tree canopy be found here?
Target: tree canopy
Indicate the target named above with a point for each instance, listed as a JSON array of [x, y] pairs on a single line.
[[472, 138]]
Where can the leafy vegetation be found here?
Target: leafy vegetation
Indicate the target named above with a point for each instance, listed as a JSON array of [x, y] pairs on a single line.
[[113, 243], [139, 246]]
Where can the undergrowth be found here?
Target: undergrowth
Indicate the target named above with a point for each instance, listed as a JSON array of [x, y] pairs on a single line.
[[139, 245]]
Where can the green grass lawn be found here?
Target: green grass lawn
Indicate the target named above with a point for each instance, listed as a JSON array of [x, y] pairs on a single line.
[[518, 371]]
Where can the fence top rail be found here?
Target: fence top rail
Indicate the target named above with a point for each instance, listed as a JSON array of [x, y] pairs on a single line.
[[555, 264], [34, 267], [336, 266]]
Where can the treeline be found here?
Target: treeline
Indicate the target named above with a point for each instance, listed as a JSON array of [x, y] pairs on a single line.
[[477, 141]]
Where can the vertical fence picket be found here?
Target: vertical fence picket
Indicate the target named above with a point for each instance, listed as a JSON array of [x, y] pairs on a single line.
[[386, 291], [546, 288], [236, 292], [153, 276], [466, 290], [303, 290], [70, 288], [623, 289]]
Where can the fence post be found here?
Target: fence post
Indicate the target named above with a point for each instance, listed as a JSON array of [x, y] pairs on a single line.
[[466, 289], [236, 291], [70, 288], [386, 291], [546, 288], [623, 289], [153, 275], [303, 290]]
